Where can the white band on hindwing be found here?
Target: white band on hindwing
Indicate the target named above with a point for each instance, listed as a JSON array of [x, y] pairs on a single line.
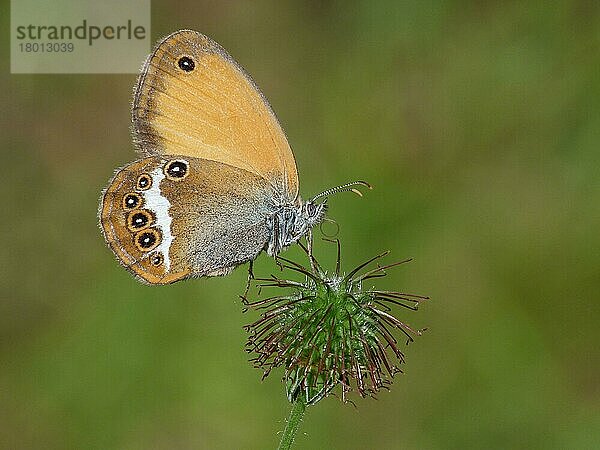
[[159, 205]]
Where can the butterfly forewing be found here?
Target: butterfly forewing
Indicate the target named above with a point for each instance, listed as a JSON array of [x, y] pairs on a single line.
[[193, 99]]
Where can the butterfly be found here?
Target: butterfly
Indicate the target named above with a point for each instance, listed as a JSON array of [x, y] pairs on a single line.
[[217, 181]]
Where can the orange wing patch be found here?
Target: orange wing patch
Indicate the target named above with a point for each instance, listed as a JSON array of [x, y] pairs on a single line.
[[193, 99]]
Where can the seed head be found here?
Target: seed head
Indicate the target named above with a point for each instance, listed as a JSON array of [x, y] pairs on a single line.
[[329, 330]]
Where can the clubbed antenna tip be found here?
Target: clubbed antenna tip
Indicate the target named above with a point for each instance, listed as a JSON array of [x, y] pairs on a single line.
[[348, 187]]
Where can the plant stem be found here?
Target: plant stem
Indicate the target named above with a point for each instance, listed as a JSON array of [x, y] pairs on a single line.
[[293, 421]]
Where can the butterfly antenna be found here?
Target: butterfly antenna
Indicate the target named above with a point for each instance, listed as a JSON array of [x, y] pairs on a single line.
[[349, 187]]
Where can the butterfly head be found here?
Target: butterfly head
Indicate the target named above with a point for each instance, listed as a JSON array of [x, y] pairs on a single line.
[[290, 222], [312, 213]]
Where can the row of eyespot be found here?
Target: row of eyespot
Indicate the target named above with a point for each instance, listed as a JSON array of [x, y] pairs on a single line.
[[175, 170], [139, 220]]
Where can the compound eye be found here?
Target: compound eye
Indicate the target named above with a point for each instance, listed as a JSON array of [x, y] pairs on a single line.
[[144, 182], [132, 201], [186, 64], [176, 170], [146, 240]]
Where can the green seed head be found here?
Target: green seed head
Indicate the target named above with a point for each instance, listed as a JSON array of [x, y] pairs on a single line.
[[328, 330]]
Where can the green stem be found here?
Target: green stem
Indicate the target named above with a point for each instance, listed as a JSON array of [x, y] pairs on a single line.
[[293, 421]]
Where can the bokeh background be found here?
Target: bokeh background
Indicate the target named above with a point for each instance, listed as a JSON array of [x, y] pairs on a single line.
[[478, 123]]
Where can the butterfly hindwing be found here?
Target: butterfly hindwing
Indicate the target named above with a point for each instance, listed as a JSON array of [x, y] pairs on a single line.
[[168, 218], [193, 99]]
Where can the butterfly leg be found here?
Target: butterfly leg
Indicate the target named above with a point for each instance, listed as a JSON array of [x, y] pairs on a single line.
[[250, 278], [309, 246]]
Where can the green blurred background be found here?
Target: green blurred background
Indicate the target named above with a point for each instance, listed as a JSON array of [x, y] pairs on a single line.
[[478, 123]]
